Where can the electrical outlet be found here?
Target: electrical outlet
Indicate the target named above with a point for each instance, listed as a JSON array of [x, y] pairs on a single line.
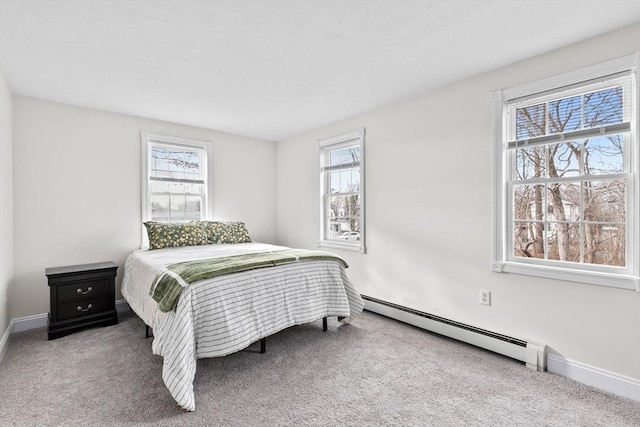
[[485, 297]]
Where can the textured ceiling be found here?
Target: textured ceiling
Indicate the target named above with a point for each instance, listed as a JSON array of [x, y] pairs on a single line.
[[272, 69]]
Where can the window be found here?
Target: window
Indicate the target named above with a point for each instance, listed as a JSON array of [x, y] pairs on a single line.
[[567, 177], [342, 191], [175, 178]]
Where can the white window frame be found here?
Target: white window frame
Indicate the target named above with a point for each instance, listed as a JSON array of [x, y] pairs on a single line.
[[340, 141], [146, 140], [503, 261]]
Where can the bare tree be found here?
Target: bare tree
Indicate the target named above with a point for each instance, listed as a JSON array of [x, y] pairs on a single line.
[[572, 215]]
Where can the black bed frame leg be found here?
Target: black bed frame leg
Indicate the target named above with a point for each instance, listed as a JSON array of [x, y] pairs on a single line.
[[263, 345], [324, 324], [148, 332]]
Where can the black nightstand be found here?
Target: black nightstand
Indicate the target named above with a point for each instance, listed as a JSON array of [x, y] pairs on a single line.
[[81, 295]]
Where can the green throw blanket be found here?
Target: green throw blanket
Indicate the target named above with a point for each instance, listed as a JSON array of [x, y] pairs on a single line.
[[171, 280]]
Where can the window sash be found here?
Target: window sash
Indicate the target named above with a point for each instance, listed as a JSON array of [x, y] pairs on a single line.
[[178, 180], [621, 80], [578, 221], [571, 136]]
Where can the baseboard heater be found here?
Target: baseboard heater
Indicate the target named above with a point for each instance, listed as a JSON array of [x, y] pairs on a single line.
[[531, 353]]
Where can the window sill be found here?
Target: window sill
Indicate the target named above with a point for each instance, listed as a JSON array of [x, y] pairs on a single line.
[[355, 247], [611, 280]]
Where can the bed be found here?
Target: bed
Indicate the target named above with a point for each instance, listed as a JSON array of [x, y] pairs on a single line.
[[224, 313]]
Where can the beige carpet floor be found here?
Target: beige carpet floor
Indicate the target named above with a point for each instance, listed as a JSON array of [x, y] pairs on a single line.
[[374, 372]]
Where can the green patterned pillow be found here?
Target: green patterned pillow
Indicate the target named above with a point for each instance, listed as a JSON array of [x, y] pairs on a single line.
[[226, 232], [175, 234], [211, 230]]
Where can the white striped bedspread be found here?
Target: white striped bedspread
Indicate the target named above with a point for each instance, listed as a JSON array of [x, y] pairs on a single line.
[[222, 315]]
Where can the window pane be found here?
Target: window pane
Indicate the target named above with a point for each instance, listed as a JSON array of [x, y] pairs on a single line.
[[159, 208], [344, 156], [344, 206], [349, 231], [344, 212], [159, 163], [565, 115], [334, 229], [603, 107], [159, 186], [604, 155], [605, 244], [338, 206], [563, 241], [564, 159], [194, 188], [335, 182], [345, 181], [530, 163], [347, 228], [175, 162], [193, 207], [177, 205], [531, 121], [353, 203], [563, 202], [528, 202], [176, 187], [528, 239], [605, 201], [355, 180]]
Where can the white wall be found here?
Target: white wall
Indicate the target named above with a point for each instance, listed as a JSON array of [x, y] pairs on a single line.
[[429, 217], [6, 203], [77, 189]]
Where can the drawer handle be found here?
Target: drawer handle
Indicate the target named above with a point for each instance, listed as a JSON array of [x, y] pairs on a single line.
[[89, 307], [81, 292]]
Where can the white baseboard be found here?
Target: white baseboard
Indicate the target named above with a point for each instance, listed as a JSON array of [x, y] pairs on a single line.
[[604, 380], [21, 324]]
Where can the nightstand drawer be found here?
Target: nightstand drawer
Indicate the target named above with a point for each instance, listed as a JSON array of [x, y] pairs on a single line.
[[85, 289], [83, 307]]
